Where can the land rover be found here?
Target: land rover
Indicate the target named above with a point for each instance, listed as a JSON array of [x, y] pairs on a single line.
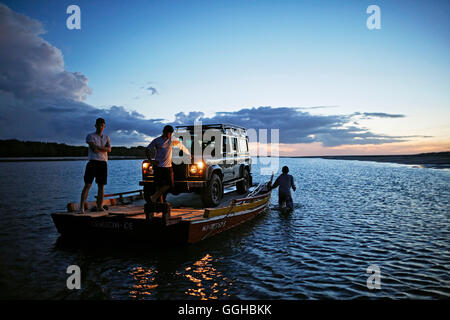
[[219, 159]]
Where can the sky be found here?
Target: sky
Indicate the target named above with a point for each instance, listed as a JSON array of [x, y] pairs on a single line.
[[312, 70]]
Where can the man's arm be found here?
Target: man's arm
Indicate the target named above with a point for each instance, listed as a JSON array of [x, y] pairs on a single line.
[[179, 144], [276, 184], [96, 148], [150, 151], [292, 184]]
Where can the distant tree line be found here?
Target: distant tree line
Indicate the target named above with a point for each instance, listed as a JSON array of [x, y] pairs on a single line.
[[16, 148]]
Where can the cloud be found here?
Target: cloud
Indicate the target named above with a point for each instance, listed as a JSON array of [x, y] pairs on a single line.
[[296, 126], [40, 100], [152, 90], [31, 68], [369, 115]]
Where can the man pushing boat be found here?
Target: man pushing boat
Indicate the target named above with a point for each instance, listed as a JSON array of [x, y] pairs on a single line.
[[285, 181], [163, 145]]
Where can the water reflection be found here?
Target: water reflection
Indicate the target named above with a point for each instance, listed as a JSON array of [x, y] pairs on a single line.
[[144, 282], [208, 283]]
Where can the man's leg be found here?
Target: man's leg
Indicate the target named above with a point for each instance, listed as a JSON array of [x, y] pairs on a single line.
[[158, 193], [164, 176], [101, 189], [290, 203], [281, 201], [164, 196], [84, 195], [101, 180]]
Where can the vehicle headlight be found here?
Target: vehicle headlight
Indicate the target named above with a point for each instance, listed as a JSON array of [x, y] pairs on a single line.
[[193, 169], [196, 168], [147, 168]]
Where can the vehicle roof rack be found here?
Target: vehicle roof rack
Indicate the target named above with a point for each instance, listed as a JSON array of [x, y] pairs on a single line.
[[213, 126]]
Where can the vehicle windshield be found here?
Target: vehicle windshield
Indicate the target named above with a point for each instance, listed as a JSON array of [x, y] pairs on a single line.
[[193, 138], [188, 140]]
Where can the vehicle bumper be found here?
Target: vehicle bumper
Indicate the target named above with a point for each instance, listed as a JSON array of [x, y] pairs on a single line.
[[180, 185]]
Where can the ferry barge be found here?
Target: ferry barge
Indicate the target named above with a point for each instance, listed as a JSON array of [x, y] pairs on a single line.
[[129, 217]]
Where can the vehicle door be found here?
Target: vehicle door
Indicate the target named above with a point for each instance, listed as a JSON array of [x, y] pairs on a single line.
[[235, 154], [227, 160]]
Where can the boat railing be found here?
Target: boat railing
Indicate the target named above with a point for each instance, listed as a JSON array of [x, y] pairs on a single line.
[[249, 199], [110, 199], [237, 205], [121, 198]]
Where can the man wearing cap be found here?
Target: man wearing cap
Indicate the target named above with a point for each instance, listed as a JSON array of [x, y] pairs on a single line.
[[99, 146], [163, 145]]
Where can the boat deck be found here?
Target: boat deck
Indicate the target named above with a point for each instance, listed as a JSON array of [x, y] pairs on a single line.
[[187, 207], [136, 211]]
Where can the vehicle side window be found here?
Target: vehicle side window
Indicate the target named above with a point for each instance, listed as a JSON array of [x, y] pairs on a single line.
[[234, 144], [224, 144], [243, 146], [210, 145]]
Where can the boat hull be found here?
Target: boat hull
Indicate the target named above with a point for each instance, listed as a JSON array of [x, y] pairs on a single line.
[[120, 228], [201, 230]]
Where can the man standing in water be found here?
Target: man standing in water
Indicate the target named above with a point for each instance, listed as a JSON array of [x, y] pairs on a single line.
[[163, 172], [285, 181], [99, 146]]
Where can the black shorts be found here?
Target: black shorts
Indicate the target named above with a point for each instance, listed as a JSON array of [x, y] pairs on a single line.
[[164, 176], [96, 169]]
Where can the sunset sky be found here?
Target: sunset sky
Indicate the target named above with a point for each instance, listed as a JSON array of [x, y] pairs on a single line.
[[311, 69]]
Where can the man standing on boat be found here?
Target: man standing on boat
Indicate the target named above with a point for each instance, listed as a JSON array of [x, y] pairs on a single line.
[[285, 181], [163, 172], [99, 146]]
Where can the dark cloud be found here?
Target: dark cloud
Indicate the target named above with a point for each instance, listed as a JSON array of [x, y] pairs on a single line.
[[40, 100], [31, 68], [369, 115], [296, 126], [152, 90]]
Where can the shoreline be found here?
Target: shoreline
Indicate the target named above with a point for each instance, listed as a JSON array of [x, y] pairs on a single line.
[[30, 159], [439, 160]]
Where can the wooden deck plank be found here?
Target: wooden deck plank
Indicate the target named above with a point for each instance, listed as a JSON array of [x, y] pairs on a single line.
[[139, 217], [126, 211]]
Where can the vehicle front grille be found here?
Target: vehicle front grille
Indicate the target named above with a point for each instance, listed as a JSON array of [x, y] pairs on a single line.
[[180, 171]]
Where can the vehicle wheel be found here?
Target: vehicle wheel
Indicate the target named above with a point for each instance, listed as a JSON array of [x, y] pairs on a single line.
[[243, 185], [149, 190], [213, 192]]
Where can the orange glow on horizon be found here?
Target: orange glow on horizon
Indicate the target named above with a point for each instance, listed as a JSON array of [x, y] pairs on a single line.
[[317, 149]]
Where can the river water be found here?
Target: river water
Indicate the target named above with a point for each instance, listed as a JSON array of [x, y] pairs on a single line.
[[348, 215]]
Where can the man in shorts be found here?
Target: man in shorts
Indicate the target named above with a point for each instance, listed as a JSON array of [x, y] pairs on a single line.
[[99, 146], [163, 145]]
